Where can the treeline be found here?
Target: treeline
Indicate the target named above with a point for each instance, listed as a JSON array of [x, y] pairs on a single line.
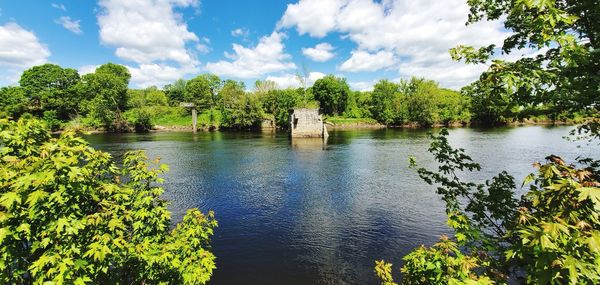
[[102, 99]]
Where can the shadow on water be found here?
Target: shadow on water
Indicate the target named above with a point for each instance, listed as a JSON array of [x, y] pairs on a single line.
[[315, 212]]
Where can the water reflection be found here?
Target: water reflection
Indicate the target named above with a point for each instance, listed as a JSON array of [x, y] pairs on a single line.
[[308, 143], [314, 212]]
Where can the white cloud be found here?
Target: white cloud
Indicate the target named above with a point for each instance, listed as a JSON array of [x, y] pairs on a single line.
[[362, 85], [315, 17], [202, 48], [292, 81], [19, 50], [158, 74], [240, 32], [86, 69], [59, 6], [267, 56], [151, 34], [364, 61], [69, 24], [321, 52], [418, 33], [146, 75], [146, 30]]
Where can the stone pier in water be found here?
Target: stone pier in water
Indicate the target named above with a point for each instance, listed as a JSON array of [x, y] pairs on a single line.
[[307, 123]]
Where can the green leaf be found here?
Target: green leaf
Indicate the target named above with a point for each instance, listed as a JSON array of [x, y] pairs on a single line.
[[546, 243], [592, 193], [594, 242], [10, 199]]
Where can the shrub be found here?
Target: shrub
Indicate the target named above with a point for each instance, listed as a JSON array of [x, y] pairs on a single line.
[[69, 214], [52, 120], [550, 236]]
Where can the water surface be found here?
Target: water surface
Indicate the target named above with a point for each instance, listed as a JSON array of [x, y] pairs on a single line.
[[304, 212]]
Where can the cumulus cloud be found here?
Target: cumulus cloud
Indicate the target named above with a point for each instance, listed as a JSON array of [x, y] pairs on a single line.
[[292, 81], [146, 75], [19, 50], [420, 33], [70, 24], [151, 34], [267, 56], [145, 31], [321, 52], [364, 61]]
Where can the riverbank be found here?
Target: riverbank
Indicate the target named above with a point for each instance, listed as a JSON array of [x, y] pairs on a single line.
[[367, 123], [340, 123]]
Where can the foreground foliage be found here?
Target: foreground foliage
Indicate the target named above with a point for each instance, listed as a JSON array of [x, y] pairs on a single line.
[[550, 236], [70, 215], [560, 75]]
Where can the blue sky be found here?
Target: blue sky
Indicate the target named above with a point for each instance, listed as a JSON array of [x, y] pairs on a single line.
[[162, 40]]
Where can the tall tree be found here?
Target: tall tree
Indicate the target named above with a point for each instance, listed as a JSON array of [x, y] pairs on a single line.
[[263, 87], [175, 92], [563, 72], [332, 93], [240, 109], [387, 102], [49, 87], [203, 91], [106, 89]]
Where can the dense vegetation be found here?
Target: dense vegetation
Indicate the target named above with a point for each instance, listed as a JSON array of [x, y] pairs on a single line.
[[551, 235], [70, 215], [103, 100]]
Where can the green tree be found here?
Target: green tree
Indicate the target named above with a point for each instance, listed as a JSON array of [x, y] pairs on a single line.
[[279, 102], [203, 91], [550, 236], [388, 106], [13, 102], [261, 88], [106, 89], [175, 92], [70, 215], [150, 96], [453, 107], [240, 109], [562, 75], [332, 94], [50, 87], [422, 102]]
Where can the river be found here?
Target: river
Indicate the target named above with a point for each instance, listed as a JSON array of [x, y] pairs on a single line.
[[305, 212]]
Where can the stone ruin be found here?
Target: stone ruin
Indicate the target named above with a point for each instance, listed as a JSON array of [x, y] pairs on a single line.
[[307, 123]]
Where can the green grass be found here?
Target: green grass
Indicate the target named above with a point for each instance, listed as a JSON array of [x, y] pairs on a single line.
[[339, 120], [165, 116], [176, 121]]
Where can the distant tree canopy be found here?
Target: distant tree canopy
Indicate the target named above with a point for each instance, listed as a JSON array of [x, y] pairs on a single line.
[[418, 100], [176, 91], [332, 94], [106, 90], [102, 99], [50, 87], [203, 91]]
